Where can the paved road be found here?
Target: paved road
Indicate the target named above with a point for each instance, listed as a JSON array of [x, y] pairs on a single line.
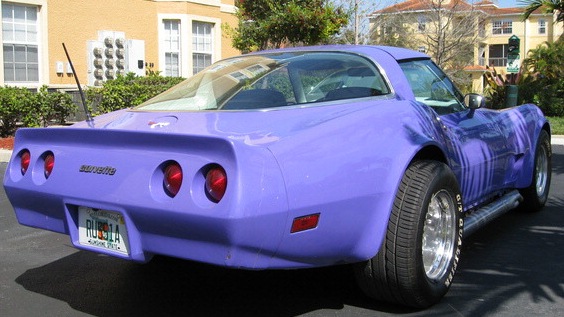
[[513, 267]]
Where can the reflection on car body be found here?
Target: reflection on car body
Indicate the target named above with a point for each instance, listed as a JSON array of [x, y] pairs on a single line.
[[292, 158]]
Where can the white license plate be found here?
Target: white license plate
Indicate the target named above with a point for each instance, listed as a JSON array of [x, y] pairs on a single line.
[[102, 229]]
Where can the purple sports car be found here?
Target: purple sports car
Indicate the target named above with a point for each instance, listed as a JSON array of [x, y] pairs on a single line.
[[292, 158]]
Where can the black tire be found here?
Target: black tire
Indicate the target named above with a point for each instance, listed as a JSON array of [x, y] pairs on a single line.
[[536, 195], [403, 272]]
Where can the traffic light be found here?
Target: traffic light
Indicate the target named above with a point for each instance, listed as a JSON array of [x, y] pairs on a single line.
[[513, 47]]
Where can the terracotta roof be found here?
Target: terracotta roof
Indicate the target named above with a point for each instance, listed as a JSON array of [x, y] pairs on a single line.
[[492, 8], [485, 6], [423, 5], [475, 68]]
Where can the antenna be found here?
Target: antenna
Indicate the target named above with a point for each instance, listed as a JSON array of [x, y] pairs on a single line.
[[89, 119]]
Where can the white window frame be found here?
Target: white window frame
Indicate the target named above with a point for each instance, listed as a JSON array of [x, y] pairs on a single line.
[[186, 62], [196, 47], [502, 27], [168, 48], [542, 26], [41, 41]]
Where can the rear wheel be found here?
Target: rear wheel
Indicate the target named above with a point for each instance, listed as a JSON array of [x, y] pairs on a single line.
[[536, 195], [418, 258]]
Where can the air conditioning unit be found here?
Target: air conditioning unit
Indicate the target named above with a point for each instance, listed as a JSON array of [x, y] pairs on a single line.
[[112, 55]]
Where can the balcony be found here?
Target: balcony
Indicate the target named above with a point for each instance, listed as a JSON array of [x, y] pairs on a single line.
[[494, 61]]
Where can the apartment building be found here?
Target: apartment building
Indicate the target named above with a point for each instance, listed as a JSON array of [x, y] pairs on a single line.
[[105, 38], [493, 28]]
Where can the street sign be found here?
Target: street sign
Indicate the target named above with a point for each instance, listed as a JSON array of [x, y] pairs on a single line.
[[513, 54], [513, 64]]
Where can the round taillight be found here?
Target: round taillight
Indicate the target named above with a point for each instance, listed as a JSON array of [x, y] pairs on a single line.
[[25, 159], [172, 179], [49, 163], [216, 183]]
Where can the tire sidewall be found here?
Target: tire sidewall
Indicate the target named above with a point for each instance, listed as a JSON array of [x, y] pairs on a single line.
[[544, 142], [532, 201], [432, 290]]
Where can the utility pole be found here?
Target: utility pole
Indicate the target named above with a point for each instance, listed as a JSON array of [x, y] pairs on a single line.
[[355, 22]]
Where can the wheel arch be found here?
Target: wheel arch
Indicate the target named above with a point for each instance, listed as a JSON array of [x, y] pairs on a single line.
[[430, 152]]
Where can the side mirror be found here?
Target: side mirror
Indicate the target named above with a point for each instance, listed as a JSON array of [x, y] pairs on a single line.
[[474, 101]]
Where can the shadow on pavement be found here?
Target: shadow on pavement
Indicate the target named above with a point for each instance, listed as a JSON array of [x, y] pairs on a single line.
[[105, 286], [518, 255]]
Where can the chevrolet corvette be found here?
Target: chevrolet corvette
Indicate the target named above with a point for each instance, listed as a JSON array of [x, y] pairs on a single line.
[[292, 158]]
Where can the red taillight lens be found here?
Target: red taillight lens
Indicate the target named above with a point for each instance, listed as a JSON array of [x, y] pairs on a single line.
[[49, 163], [25, 159], [305, 223], [216, 183], [172, 179]]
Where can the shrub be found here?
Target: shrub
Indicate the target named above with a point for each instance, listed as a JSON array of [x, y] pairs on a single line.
[[128, 91], [54, 106], [544, 80], [16, 108], [21, 107]]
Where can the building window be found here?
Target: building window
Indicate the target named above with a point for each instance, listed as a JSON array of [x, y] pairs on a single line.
[[421, 24], [542, 27], [502, 27], [386, 29], [20, 43], [422, 49], [202, 48], [498, 55], [172, 47]]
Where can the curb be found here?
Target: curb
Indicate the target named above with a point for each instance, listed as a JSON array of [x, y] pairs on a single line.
[[557, 139], [5, 155]]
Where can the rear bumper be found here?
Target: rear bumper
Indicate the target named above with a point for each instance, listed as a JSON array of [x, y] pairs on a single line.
[[249, 228]]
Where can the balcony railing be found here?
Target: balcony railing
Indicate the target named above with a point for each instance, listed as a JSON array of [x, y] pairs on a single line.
[[494, 61]]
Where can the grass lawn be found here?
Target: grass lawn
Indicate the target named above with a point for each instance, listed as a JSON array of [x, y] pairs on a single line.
[[557, 125]]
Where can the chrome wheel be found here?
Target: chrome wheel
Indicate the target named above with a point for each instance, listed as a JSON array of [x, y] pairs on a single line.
[[439, 235], [417, 260]]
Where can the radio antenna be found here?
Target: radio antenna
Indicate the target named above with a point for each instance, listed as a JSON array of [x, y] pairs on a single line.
[[89, 119]]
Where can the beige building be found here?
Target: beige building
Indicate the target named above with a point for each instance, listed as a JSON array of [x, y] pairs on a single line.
[[106, 38], [493, 28]]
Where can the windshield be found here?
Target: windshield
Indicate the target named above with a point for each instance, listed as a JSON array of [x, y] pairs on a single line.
[[273, 80]]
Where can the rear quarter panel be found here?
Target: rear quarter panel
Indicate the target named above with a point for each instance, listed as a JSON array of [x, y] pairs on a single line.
[[348, 168]]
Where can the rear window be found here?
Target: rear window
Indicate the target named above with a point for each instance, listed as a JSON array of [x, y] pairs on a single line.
[[273, 80]]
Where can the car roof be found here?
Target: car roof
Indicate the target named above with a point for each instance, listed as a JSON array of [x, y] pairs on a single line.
[[397, 53]]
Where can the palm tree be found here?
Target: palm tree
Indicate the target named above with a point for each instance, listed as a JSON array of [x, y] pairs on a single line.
[[548, 6]]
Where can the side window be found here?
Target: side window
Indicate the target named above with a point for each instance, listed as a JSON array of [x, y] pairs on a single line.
[[277, 80], [432, 87], [345, 77]]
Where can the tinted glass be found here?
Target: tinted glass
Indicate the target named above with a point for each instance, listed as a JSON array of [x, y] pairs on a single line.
[[273, 80], [432, 87]]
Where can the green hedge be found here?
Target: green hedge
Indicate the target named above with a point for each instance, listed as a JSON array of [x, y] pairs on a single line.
[[23, 107], [127, 91]]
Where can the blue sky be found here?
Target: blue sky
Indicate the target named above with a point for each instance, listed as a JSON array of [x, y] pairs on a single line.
[[508, 3]]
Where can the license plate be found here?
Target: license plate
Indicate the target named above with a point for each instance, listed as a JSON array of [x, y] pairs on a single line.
[[102, 229]]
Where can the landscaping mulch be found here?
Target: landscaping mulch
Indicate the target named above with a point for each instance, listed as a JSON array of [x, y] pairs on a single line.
[[7, 143]]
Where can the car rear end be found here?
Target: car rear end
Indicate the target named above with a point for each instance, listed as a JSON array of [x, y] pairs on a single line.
[[132, 194]]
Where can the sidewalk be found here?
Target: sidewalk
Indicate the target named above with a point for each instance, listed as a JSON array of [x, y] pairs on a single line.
[[6, 154]]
